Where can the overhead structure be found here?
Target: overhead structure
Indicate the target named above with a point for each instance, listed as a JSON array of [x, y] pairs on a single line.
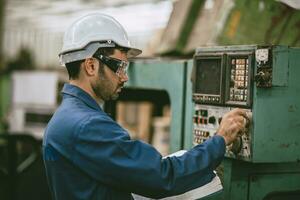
[[229, 22]]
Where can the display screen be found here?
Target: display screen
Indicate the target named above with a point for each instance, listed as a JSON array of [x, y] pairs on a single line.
[[208, 73]]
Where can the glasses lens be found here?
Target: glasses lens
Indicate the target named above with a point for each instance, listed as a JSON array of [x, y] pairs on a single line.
[[122, 70], [116, 65]]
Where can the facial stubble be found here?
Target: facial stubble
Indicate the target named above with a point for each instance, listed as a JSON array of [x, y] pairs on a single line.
[[104, 87]]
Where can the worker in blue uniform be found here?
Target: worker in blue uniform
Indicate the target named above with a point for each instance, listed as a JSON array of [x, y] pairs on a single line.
[[88, 155]]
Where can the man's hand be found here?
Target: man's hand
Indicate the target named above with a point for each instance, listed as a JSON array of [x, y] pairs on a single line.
[[232, 123]]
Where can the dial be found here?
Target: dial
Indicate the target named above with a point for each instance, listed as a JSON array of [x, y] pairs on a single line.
[[262, 55]]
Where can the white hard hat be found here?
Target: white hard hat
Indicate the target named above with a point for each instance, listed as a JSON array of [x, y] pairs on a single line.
[[91, 32]]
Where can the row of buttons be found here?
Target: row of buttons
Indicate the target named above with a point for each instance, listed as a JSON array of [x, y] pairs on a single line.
[[238, 92], [199, 140], [207, 98], [201, 112], [200, 120], [238, 97], [238, 67], [239, 61], [241, 84], [201, 133], [211, 120], [239, 72], [239, 78]]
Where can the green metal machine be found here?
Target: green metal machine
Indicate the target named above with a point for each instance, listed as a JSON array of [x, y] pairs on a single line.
[[264, 80]]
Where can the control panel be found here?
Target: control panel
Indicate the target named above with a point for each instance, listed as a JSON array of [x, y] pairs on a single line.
[[206, 122], [264, 81], [222, 81]]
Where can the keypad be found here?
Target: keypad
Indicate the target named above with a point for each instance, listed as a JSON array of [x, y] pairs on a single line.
[[239, 79]]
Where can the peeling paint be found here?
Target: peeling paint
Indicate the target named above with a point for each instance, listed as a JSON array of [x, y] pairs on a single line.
[[291, 108], [284, 146]]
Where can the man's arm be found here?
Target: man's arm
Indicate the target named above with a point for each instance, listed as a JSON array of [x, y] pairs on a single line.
[[104, 151]]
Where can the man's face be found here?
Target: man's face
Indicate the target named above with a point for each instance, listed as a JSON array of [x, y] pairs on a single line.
[[108, 84]]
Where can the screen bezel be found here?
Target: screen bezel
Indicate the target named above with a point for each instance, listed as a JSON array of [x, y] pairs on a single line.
[[213, 57]]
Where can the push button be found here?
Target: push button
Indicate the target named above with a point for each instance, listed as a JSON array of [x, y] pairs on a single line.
[[212, 120]]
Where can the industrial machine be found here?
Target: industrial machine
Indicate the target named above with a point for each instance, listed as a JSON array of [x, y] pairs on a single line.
[[33, 103], [263, 163]]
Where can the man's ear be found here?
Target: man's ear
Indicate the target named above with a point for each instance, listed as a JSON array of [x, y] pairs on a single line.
[[90, 67]]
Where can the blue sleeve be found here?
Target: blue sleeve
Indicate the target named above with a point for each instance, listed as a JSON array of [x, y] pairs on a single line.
[[104, 151]]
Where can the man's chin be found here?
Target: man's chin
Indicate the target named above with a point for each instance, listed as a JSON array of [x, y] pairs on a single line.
[[114, 96]]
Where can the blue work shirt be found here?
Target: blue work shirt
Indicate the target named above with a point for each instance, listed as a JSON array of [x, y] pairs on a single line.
[[88, 155]]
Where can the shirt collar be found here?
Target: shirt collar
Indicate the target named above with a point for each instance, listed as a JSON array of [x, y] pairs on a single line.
[[81, 94]]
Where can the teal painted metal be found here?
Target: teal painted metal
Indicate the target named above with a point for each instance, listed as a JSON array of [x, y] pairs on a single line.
[[254, 181], [276, 111], [188, 142], [165, 75], [267, 183]]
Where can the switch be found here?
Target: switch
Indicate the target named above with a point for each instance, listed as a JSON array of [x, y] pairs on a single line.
[[220, 119], [206, 133], [212, 120], [195, 119], [236, 146], [203, 113]]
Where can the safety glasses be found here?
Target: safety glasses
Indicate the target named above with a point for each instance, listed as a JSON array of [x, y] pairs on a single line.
[[116, 65]]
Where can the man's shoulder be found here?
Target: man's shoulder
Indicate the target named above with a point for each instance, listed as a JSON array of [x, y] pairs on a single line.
[[68, 118], [74, 108], [80, 116]]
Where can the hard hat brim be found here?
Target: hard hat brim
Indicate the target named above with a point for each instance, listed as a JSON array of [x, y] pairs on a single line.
[[133, 52]]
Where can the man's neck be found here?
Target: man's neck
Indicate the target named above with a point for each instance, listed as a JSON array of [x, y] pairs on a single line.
[[88, 89]]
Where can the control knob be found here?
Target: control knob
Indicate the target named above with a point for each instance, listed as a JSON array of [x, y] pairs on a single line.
[[236, 146]]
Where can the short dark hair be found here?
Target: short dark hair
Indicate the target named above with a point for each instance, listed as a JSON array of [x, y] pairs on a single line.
[[73, 68]]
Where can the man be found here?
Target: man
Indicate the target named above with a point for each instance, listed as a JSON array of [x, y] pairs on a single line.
[[88, 155]]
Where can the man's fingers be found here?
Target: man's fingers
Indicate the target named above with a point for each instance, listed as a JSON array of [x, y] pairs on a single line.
[[239, 111], [238, 127], [242, 116]]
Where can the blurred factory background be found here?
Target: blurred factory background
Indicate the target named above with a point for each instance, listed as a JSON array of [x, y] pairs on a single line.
[[31, 77]]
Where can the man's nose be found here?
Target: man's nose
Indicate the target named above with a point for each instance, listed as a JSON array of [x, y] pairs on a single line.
[[124, 77]]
